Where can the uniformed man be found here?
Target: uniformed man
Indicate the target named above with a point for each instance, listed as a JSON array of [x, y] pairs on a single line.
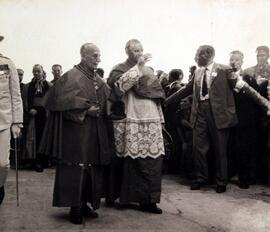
[[11, 114], [262, 68], [261, 72]]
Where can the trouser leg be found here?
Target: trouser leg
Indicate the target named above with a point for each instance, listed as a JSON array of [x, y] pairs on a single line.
[[219, 138], [4, 155], [201, 145]]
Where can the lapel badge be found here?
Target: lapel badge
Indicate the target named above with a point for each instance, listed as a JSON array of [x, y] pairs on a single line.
[[214, 74]]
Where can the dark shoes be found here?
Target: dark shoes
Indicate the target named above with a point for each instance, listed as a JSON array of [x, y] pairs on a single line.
[[110, 203], [198, 185], [2, 194], [221, 188], [38, 167], [195, 186], [76, 215], [151, 208], [243, 185], [252, 181], [88, 212]]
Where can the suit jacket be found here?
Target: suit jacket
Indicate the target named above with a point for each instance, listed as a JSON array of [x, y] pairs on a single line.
[[11, 110], [220, 93]]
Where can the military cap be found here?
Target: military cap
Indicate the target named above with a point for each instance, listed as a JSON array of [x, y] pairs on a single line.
[[262, 48]]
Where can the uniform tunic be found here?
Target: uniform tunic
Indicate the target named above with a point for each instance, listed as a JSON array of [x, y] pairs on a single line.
[[11, 110]]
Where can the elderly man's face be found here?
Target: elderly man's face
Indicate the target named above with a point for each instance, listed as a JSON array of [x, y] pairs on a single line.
[[92, 57], [135, 51], [57, 71], [38, 72], [202, 58], [236, 61], [262, 57]]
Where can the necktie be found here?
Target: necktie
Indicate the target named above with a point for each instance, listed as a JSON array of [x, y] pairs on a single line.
[[204, 84]]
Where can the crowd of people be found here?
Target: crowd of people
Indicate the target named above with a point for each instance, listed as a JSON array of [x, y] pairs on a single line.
[[114, 137]]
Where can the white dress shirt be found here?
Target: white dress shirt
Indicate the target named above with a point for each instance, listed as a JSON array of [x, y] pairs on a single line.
[[208, 77]]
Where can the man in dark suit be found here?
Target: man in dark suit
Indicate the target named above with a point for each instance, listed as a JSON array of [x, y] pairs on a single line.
[[244, 138], [212, 114]]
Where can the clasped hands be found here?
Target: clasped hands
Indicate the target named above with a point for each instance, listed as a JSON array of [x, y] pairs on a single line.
[[93, 111]]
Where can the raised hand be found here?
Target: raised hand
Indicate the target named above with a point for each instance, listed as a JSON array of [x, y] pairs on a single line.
[[144, 58], [260, 80]]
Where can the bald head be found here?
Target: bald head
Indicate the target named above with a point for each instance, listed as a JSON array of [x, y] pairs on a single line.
[[90, 55]]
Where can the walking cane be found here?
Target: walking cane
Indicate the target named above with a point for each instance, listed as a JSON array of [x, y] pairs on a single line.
[[16, 167]]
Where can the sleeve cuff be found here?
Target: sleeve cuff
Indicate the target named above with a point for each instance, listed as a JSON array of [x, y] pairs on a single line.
[[239, 85], [19, 124], [139, 72]]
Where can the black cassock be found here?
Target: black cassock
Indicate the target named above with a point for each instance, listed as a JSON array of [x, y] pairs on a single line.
[[82, 144]]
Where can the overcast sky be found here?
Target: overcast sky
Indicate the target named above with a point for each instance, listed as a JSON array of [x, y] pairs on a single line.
[[52, 31]]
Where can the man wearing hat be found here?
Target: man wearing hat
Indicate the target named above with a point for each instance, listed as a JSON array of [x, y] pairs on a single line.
[[11, 114]]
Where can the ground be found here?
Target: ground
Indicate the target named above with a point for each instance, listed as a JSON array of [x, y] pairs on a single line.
[[183, 210]]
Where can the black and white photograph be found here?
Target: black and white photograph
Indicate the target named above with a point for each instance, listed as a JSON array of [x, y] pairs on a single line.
[[134, 115]]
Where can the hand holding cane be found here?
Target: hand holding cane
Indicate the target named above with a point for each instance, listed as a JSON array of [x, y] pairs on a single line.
[[16, 131]]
